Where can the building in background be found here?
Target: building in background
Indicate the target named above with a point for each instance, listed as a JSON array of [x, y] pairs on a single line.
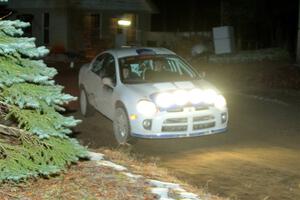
[[84, 25]]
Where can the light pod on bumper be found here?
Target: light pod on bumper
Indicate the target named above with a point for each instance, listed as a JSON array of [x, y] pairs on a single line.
[[196, 96], [146, 108], [209, 96], [164, 100], [181, 97]]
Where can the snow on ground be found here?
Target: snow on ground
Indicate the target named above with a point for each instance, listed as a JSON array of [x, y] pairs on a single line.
[[162, 193], [112, 165], [95, 156], [164, 184], [132, 176], [160, 188]]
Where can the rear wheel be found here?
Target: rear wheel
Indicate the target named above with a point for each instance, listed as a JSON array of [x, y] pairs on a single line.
[[122, 127], [85, 108]]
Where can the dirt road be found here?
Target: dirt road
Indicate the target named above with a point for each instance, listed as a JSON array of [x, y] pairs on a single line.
[[258, 158]]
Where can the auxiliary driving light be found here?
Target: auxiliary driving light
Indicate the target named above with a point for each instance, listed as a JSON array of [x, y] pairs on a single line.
[[164, 100], [209, 96], [196, 96], [181, 97]]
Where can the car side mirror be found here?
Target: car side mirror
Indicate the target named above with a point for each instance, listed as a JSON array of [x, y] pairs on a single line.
[[108, 82]]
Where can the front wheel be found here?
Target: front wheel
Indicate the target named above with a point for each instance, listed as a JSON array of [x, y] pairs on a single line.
[[121, 126], [85, 108]]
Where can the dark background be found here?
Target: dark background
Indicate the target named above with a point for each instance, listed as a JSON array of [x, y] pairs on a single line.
[[257, 23]]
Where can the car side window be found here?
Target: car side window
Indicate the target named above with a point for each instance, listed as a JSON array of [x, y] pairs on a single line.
[[98, 64], [109, 69]]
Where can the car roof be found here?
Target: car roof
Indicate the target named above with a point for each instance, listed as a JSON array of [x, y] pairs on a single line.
[[135, 51]]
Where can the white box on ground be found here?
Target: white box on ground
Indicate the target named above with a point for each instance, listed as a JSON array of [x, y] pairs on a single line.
[[223, 39]]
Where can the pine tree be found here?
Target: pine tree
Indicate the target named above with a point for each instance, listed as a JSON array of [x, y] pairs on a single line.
[[34, 135]]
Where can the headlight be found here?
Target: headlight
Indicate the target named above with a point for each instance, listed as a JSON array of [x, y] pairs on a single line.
[[196, 96], [181, 97], [146, 108], [164, 100], [220, 102]]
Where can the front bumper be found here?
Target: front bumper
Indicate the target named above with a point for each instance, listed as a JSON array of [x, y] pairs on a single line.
[[187, 123], [177, 135]]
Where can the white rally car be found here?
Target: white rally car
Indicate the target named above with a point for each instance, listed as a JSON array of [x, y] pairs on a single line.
[[151, 93]]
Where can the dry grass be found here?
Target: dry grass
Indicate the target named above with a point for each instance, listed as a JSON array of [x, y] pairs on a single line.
[[90, 181], [148, 168], [83, 181]]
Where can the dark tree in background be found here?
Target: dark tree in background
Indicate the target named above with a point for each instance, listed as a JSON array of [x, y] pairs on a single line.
[[257, 23], [262, 24], [189, 15]]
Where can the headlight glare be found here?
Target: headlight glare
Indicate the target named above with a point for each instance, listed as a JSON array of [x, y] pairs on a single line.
[[164, 100], [220, 102], [196, 96], [181, 97], [209, 96], [146, 108]]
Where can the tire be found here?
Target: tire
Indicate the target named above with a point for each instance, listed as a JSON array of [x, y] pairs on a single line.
[[121, 127], [85, 107]]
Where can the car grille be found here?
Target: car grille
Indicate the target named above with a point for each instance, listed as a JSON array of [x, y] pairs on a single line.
[[203, 126], [175, 120], [181, 124], [174, 128], [203, 118]]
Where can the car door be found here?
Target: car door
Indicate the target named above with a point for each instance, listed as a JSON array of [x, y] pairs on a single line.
[[93, 84], [106, 104]]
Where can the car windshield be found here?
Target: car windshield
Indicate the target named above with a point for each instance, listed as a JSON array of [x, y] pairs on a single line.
[[155, 68]]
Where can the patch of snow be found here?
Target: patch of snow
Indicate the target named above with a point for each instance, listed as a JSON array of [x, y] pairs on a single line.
[[112, 165], [95, 156], [159, 188], [188, 195], [161, 192], [164, 184], [133, 176], [162, 188]]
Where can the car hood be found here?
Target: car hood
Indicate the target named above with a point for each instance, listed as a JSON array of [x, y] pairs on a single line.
[[146, 89]]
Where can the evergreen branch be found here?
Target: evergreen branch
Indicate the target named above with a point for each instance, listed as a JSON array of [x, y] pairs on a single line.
[[29, 97], [34, 96]]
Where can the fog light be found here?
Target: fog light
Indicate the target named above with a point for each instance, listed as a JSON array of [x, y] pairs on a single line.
[[224, 117], [147, 123]]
